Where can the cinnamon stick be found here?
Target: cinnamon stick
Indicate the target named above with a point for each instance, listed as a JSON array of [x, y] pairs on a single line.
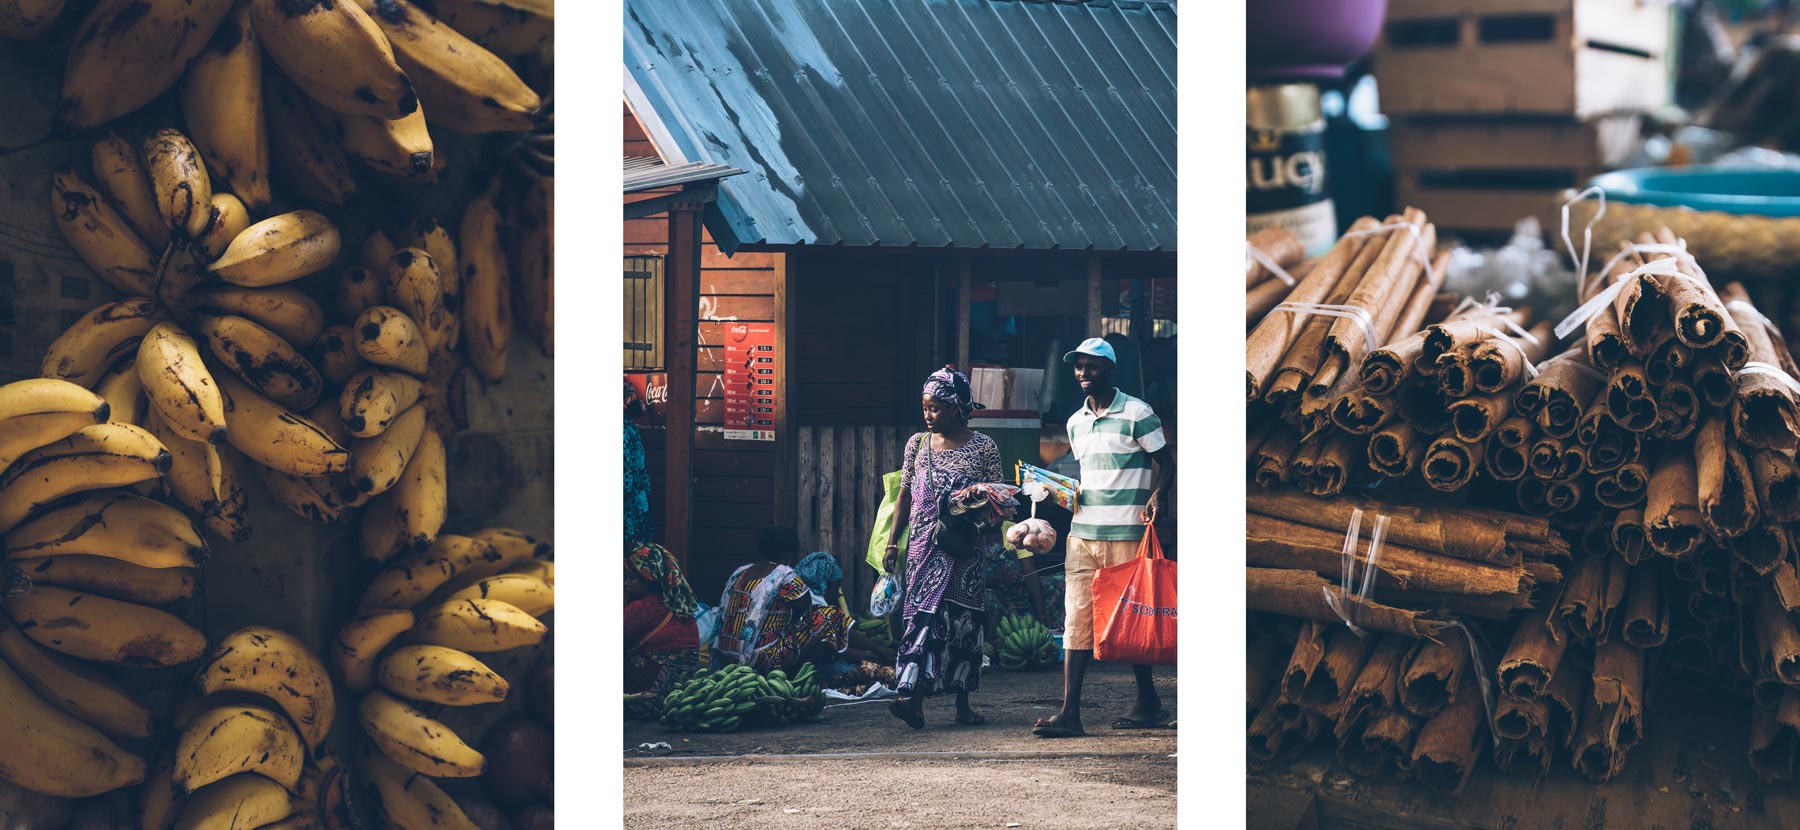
[[1295, 369], [1396, 449], [1781, 640], [1531, 658], [1276, 739], [1563, 699], [1625, 487], [1300, 593], [1450, 464], [1531, 756], [1474, 535], [1434, 673], [1395, 274], [1278, 244], [1360, 413], [1642, 309], [1775, 738], [1316, 678], [1499, 362], [1563, 390], [1727, 491], [1612, 719], [1265, 659], [1628, 537], [1270, 340], [1275, 455], [1646, 609], [1760, 548], [1672, 515], [1777, 480], [1629, 398], [1764, 410], [1609, 445], [1425, 408], [1589, 596], [1276, 543], [1448, 744], [1473, 419], [1376, 690], [1666, 362], [1337, 457], [1386, 742], [1786, 582], [1713, 382]]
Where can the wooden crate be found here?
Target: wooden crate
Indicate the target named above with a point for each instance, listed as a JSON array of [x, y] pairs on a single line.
[[1576, 58], [1482, 176]]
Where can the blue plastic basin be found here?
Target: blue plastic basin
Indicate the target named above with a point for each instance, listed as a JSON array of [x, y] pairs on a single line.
[[1727, 189]]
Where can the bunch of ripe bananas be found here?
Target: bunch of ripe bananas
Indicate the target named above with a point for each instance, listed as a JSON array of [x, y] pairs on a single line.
[[250, 748], [737, 696], [410, 650], [1025, 644]]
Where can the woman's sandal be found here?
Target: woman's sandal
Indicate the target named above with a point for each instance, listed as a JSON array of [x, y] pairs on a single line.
[[911, 716], [970, 718]]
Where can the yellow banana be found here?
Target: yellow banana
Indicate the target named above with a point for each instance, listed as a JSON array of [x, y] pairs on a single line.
[[316, 499], [128, 528], [27, 19], [226, 218], [414, 285], [208, 481], [277, 438], [421, 497], [95, 342], [487, 287], [435, 674], [379, 535], [127, 52], [283, 309], [464, 87], [478, 625], [113, 578], [41, 411], [309, 157], [362, 640], [409, 738], [100, 235], [335, 53], [527, 593], [242, 802], [278, 666], [431, 236], [386, 336], [235, 738], [543, 569], [73, 687], [123, 391], [407, 800], [51, 752], [179, 387], [379, 462], [271, 365], [338, 358], [510, 547], [122, 177], [94, 627], [221, 98], [509, 30], [401, 147], [93, 458], [156, 800], [407, 583], [279, 249], [373, 398], [178, 180], [358, 291], [182, 268], [536, 261]]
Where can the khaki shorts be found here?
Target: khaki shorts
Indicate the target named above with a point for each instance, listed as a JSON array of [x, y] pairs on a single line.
[[1085, 558]]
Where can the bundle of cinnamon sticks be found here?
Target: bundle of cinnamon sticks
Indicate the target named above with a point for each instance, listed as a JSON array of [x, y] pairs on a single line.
[[1647, 492]]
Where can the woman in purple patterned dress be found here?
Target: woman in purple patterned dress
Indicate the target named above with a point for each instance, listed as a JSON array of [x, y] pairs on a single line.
[[944, 591]]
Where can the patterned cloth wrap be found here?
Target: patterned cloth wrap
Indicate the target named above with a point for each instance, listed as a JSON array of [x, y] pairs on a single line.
[[658, 567]]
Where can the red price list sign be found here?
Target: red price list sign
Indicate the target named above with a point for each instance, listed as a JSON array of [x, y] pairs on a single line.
[[750, 386]]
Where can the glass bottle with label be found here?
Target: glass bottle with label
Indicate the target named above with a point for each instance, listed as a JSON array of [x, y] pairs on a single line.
[[1285, 182]]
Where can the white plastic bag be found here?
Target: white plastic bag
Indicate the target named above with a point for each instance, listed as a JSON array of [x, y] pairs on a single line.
[[883, 597]]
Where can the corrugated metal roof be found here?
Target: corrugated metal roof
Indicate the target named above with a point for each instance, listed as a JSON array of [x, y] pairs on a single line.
[[650, 173], [964, 123]]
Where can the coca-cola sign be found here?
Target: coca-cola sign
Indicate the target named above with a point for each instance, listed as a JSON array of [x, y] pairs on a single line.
[[653, 389]]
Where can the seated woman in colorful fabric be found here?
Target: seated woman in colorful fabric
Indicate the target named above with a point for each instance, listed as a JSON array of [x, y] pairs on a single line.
[[825, 577], [769, 619], [661, 640]]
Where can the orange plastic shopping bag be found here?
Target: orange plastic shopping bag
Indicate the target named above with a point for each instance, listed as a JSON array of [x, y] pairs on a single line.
[[1134, 604]]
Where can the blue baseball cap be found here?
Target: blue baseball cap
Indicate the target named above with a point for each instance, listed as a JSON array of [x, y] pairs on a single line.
[[1096, 346]]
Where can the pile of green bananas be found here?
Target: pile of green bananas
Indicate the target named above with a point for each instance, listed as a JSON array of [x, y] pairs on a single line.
[[1025, 644], [876, 629], [723, 700]]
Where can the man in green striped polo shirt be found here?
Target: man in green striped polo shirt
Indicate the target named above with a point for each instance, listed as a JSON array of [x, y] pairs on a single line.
[[1125, 461]]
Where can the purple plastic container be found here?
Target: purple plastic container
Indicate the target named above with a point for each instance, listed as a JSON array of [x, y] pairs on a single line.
[[1308, 39]]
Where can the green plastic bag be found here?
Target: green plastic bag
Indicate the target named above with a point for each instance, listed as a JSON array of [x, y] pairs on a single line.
[[884, 521]]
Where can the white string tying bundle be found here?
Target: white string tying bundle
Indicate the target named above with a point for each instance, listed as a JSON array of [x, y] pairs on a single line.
[[1344, 603], [1348, 312], [1257, 255], [1479, 664], [1587, 233], [1757, 367], [1666, 267]]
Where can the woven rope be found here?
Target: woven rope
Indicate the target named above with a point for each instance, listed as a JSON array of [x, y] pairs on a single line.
[[1748, 247]]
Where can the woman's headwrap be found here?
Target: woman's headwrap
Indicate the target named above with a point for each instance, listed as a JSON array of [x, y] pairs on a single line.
[[819, 569], [951, 386], [658, 567]]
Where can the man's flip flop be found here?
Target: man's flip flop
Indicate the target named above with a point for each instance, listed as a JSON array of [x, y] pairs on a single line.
[[1162, 719]]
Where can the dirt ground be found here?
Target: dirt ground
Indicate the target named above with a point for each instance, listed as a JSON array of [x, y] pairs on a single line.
[[877, 773]]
